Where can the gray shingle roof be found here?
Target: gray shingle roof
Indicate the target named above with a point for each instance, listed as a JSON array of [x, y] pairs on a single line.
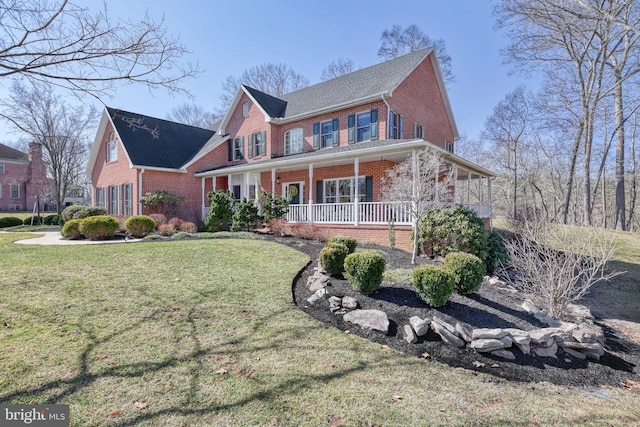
[[9, 153], [367, 82], [156, 142]]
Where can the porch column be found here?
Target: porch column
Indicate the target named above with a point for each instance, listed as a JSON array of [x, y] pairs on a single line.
[[310, 201], [489, 195], [229, 186], [414, 188], [356, 213], [202, 197], [481, 195], [214, 181], [273, 181], [455, 185], [468, 189], [436, 171]]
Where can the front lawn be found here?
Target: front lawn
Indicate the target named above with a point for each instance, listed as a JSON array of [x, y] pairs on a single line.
[[204, 332]]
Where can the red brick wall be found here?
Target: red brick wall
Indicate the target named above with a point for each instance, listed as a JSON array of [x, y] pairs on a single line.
[[377, 235], [14, 173]]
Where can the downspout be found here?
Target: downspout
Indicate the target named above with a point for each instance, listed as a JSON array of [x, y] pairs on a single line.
[[140, 191], [386, 131]]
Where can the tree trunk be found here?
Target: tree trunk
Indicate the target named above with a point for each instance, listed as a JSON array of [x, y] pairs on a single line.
[[572, 170], [620, 221]]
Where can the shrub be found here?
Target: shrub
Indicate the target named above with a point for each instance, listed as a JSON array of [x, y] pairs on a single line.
[[332, 258], [69, 211], [364, 270], [220, 210], [185, 235], [139, 225], [274, 207], [349, 242], [52, 219], [308, 231], [468, 270], [9, 221], [278, 227], [158, 218], [496, 252], [71, 229], [188, 227], [453, 229], [87, 211], [161, 201], [99, 227], [245, 217], [37, 220], [434, 284], [167, 229]]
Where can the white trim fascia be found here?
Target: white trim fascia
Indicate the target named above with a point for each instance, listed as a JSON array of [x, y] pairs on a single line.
[[331, 108], [213, 143], [154, 168], [96, 143], [234, 105], [399, 82]]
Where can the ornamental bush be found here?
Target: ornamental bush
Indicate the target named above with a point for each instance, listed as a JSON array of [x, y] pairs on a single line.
[[220, 210], [159, 219], [364, 271], [188, 227], [71, 229], [69, 211], [245, 217], [496, 252], [10, 221], [87, 211], [52, 219], [99, 227], [434, 284], [332, 258], [139, 225], [37, 220], [468, 270], [349, 242], [167, 229], [453, 229]]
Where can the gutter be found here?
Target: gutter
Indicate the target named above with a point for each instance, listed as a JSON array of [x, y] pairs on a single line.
[[352, 103]]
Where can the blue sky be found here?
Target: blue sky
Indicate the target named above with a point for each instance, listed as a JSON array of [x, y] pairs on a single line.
[[227, 37]]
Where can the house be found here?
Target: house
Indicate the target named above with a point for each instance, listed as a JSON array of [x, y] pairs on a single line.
[[325, 148], [23, 178]]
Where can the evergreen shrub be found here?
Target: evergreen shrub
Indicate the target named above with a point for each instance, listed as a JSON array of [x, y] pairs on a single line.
[[364, 270], [99, 227], [139, 226], [468, 270], [433, 284]]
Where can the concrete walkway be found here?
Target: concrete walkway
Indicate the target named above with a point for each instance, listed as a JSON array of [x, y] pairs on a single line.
[[55, 238]]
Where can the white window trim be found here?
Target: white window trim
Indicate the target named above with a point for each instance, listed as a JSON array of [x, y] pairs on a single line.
[[352, 192], [322, 145], [113, 142], [245, 109], [287, 135], [1, 167], [235, 148], [11, 191], [355, 126]]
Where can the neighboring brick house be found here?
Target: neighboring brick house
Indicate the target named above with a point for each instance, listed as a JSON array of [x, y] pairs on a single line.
[[324, 147], [23, 178]]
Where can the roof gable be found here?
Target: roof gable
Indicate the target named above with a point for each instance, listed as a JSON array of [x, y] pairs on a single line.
[[8, 153], [274, 107], [159, 143]]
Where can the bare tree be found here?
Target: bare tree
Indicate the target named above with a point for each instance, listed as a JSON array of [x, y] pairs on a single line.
[[557, 264], [419, 184], [337, 68], [193, 115], [66, 45], [273, 79], [64, 132], [397, 41]]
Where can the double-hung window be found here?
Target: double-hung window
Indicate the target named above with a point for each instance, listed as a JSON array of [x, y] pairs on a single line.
[[112, 150], [363, 126], [293, 141], [418, 131], [14, 192], [396, 126], [325, 134], [113, 200], [343, 190], [259, 144], [127, 199], [99, 197], [1, 167], [238, 148]]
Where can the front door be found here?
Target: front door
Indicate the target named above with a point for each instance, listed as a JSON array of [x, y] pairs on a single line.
[[293, 192]]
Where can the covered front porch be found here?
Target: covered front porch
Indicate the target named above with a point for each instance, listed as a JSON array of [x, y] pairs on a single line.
[[343, 185]]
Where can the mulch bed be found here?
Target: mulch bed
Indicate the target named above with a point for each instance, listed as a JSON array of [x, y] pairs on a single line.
[[491, 307]]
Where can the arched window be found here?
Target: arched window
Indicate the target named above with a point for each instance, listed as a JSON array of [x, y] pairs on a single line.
[[112, 148], [245, 109], [293, 141]]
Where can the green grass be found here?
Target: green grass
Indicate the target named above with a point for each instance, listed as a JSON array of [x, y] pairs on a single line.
[[204, 332]]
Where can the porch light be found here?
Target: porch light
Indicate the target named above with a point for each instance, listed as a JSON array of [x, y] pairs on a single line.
[[278, 180]]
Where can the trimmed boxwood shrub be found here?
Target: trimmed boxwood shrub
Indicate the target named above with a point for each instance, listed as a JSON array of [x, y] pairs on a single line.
[[52, 219], [10, 221], [87, 211], [71, 229], [349, 242], [139, 225], [332, 258], [99, 227], [364, 271], [468, 270], [69, 211], [434, 284], [37, 220]]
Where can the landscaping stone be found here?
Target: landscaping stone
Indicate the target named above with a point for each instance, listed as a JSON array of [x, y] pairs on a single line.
[[420, 326], [449, 327], [505, 354], [487, 345], [539, 336], [486, 333], [409, 334], [529, 307], [516, 332], [523, 343], [464, 332], [313, 299], [574, 353], [317, 281], [546, 351], [349, 302], [446, 334], [369, 319], [584, 347], [335, 303]]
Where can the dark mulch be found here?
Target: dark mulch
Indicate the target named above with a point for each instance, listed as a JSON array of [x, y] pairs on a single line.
[[491, 307]]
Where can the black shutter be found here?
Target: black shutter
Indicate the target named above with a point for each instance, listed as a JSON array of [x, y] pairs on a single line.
[[316, 135], [401, 125], [264, 143], [368, 189], [319, 192], [374, 124], [336, 134], [230, 148], [249, 145], [351, 122]]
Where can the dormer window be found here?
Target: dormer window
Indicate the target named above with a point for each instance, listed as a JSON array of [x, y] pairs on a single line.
[[112, 149], [245, 109]]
